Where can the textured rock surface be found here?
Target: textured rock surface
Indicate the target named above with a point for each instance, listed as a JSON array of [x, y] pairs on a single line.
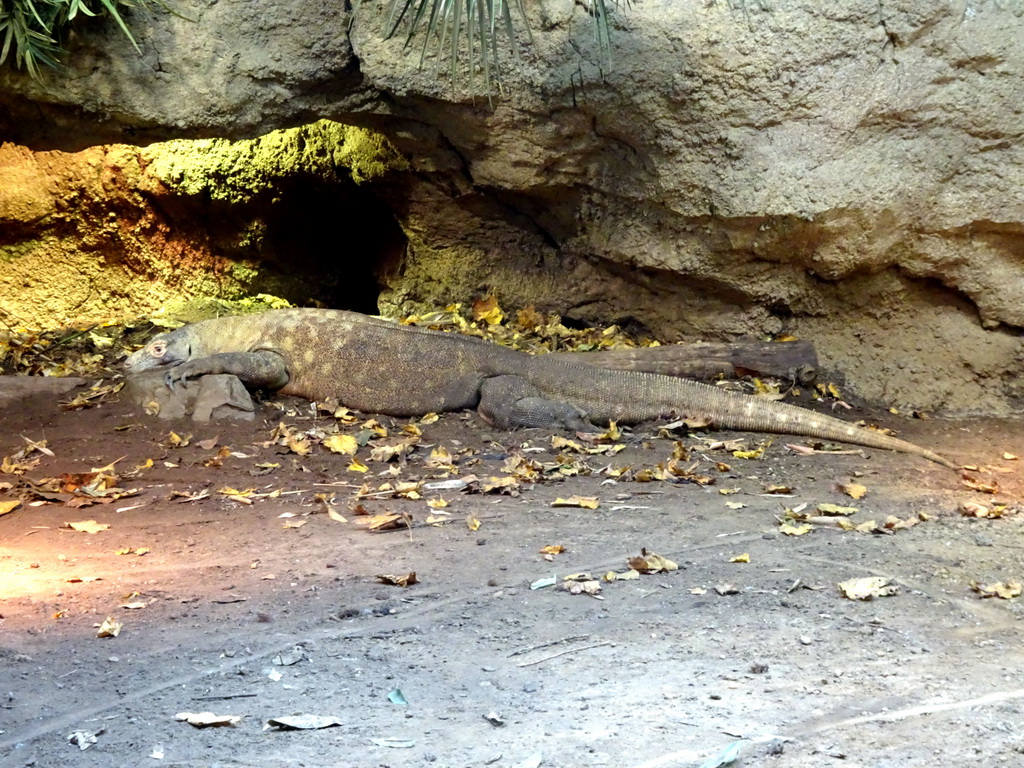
[[852, 174]]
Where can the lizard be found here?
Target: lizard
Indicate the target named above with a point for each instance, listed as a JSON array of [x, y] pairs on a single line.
[[378, 366]]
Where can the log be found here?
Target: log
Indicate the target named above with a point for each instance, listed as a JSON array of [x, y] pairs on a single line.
[[793, 360]]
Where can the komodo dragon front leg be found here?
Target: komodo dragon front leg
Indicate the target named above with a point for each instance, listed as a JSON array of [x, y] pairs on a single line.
[[261, 368], [510, 402]]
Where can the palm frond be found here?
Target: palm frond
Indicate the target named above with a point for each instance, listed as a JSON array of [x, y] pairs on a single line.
[[467, 31], [33, 30]]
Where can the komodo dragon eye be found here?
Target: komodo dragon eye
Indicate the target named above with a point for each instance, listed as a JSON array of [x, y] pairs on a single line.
[[158, 348]]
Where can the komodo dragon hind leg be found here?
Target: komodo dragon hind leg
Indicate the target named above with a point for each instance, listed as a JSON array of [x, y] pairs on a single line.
[[258, 369], [509, 402]]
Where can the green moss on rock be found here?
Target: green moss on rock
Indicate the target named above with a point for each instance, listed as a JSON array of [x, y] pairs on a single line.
[[236, 171]]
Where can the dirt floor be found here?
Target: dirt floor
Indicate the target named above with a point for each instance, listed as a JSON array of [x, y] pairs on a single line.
[[229, 606]]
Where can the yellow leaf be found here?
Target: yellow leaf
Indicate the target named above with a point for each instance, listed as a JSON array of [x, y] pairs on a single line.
[[795, 530], [177, 441], [1009, 457], [1005, 590], [472, 523], [430, 418], [109, 628], [488, 311], [335, 515], [300, 445], [438, 503], [8, 506], [357, 466], [344, 444], [559, 443], [853, 490], [587, 502], [376, 427], [744, 558], [755, 454], [88, 526], [835, 509], [552, 549], [147, 464], [294, 523]]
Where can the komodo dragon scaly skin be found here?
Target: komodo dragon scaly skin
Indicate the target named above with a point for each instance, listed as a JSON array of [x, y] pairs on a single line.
[[377, 366]]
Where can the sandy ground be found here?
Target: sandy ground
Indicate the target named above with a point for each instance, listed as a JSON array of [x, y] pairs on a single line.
[[236, 612]]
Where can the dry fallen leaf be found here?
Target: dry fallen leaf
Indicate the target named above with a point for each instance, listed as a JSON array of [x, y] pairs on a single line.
[[649, 562], [853, 490], [109, 628], [88, 526], [974, 509], [867, 588], [9, 506], [587, 502], [472, 523], [552, 549], [591, 587], [977, 484], [343, 444], [1005, 590], [789, 529], [488, 311], [303, 722], [208, 719], [835, 509], [744, 558], [404, 580]]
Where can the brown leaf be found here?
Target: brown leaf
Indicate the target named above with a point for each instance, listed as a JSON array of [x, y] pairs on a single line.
[[404, 580]]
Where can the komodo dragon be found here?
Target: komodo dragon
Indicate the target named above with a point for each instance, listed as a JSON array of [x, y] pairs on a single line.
[[378, 366]]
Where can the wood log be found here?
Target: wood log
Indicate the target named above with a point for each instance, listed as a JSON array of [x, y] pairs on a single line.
[[793, 360]]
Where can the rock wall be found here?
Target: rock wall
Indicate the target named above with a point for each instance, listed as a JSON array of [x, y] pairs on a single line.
[[849, 172]]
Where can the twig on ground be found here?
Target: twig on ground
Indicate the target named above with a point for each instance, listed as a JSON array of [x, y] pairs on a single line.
[[548, 644], [225, 696], [563, 653]]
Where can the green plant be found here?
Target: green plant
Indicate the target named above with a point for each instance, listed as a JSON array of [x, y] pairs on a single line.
[[33, 31], [444, 24]]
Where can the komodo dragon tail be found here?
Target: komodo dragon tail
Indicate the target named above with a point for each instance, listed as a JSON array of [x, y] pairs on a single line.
[[743, 412]]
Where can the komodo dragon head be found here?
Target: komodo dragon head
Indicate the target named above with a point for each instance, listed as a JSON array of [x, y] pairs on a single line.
[[163, 350]]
